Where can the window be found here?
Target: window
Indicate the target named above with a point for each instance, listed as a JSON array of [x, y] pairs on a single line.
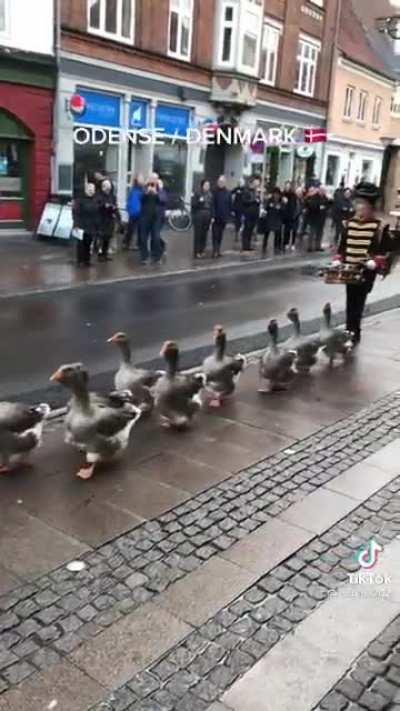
[[307, 59], [11, 167], [250, 36], [270, 52], [362, 106], [376, 114], [332, 170], [395, 103], [348, 102], [180, 28], [111, 18], [4, 10], [366, 170], [228, 30]]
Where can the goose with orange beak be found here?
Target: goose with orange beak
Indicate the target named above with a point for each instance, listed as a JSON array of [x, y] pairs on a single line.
[[139, 381], [99, 426], [222, 371]]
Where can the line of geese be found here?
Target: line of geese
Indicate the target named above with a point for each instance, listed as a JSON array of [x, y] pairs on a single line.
[[100, 425]]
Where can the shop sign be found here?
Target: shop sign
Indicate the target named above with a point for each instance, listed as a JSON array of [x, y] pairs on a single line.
[[305, 152], [77, 105], [101, 109], [172, 120], [138, 111]]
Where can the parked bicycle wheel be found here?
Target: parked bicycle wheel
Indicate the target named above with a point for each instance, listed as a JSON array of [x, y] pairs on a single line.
[[180, 219]]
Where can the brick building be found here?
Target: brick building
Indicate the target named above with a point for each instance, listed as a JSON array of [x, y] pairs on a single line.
[[175, 64], [361, 122]]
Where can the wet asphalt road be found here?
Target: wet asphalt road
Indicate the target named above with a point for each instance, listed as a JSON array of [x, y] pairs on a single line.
[[41, 331]]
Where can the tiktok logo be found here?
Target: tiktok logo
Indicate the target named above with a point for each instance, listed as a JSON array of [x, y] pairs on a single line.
[[367, 556]]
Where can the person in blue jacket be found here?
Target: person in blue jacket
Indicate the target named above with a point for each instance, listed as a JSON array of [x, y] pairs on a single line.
[[134, 210]]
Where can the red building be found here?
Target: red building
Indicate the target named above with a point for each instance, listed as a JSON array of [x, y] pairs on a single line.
[[27, 83]]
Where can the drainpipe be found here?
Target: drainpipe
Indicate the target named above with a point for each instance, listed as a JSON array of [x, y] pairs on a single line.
[[57, 48], [334, 61]]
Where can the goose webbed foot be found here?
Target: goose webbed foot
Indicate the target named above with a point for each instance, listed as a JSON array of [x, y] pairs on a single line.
[[86, 472]]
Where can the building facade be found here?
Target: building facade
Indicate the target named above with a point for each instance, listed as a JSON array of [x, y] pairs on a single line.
[[174, 65], [27, 82], [362, 116]]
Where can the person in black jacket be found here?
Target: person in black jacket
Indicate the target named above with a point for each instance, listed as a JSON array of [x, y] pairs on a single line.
[[273, 221], [151, 221], [201, 210], [251, 202], [289, 214], [221, 212], [86, 219], [324, 206], [312, 217], [109, 215], [237, 206], [342, 209]]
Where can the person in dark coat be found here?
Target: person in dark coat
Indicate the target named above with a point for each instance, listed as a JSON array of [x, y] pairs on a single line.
[[151, 222], [134, 208], [342, 209], [273, 221], [85, 213], [237, 206], [289, 214], [201, 211], [251, 202], [221, 212], [109, 216], [312, 217], [324, 207]]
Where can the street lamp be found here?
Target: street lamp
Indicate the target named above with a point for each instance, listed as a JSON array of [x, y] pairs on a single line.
[[390, 25]]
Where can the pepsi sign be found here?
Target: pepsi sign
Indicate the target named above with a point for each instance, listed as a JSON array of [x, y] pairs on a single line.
[[77, 105]]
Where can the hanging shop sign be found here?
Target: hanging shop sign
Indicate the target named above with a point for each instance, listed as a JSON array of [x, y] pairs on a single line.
[[305, 152], [172, 120], [138, 114], [100, 109]]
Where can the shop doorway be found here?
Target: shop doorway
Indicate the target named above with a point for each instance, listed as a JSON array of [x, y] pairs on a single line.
[[214, 165], [16, 144], [90, 158]]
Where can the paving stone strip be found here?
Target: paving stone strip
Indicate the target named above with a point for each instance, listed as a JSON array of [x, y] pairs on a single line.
[[195, 673], [373, 682], [42, 621]]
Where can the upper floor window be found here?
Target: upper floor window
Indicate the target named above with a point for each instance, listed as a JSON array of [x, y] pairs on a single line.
[[4, 14], [270, 52], [250, 36], [227, 45], [320, 3], [348, 102], [307, 61], [362, 106], [376, 114], [112, 18], [180, 28]]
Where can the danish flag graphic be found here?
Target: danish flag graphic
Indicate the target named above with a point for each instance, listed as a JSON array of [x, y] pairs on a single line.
[[315, 135]]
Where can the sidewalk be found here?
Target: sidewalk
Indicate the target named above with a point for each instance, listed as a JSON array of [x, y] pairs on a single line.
[[217, 562], [29, 265]]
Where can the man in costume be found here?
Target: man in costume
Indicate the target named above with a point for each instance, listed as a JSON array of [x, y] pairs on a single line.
[[365, 246]]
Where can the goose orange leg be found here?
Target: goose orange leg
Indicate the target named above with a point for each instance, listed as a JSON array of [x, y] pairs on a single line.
[[86, 472]]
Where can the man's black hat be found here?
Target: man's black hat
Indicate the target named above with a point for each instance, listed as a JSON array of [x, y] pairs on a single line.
[[367, 191]]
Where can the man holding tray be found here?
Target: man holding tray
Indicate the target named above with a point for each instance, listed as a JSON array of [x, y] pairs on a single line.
[[363, 249]]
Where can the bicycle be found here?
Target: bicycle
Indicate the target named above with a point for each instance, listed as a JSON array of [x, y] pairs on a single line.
[[179, 217]]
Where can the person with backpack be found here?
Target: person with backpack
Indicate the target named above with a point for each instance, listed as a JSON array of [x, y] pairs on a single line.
[[134, 209]]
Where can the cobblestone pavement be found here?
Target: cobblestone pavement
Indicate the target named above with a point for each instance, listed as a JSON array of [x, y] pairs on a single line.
[[48, 619], [197, 672], [373, 682]]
